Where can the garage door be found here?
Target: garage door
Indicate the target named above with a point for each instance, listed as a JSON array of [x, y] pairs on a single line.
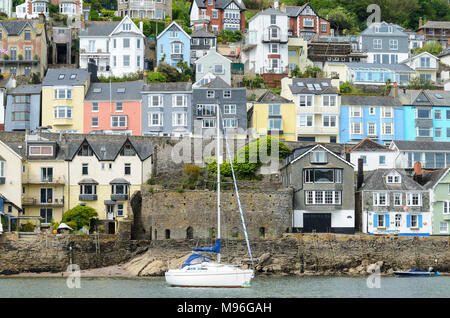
[[318, 222]]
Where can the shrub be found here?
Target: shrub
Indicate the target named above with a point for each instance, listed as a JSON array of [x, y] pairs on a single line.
[[180, 190], [156, 77], [79, 216], [151, 189], [27, 227], [192, 172]]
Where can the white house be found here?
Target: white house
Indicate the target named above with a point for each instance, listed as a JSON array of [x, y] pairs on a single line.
[[374, 155], [119, 45], [214, 63], [6, 7], [30, 9], [266, 46], [425, 64]]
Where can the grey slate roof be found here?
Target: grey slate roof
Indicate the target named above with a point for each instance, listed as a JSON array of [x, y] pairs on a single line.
[[368, 144], [221, 4], [416, 145], [26, 89], [132, 91], [436, 24], [99, 28], [161, 87], [432, 97], [269, 11], [294, 11], [108, 151], [218, 82], [430, 178], [202, 34], [397, 30], [300, 86], [52, 77], [15, 27], [269, 97], [69, 144], [376, 180], [444, 52], [363, 100]]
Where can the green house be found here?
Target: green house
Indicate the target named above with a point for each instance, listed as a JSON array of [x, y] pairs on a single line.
[[438, 182]]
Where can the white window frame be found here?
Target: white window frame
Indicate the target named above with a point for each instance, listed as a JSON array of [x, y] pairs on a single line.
[[303, 120], [175, 101], [410, 197], [179, 115], [329, 120], [119, 121], [356, 112], [371, 126], [229, 109], [329, 100], [227, 94], [314, 197], [446, 207], [67, 112], [391, 126], [398, 198], [307, 101], [230, 123], [66, 95], [354, 131], [377, 198], [377, 44], [92, 122], [393, 44], [160, 119], [151, 100]]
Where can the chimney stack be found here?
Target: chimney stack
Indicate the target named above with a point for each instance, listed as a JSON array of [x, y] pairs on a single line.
[[418, 173], [395, 90], [420, 22], [360, 178], [141, 26]]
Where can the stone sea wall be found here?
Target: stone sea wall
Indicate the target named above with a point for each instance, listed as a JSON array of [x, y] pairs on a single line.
[[291, 254]]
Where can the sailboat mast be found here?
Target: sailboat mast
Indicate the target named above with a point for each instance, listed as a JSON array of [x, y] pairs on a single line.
[[218, 176]]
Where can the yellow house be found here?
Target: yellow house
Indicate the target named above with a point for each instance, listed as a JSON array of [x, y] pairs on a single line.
[[337, 72], [41, 178], [317, 105], [104, 174], [44, 181], [272, 114], [63, 92], [298, 54]]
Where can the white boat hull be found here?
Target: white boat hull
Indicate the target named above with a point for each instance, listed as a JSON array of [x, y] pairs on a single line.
[[216, 275]]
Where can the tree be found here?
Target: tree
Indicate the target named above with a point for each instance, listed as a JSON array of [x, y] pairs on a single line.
[[432, 47], [169, 72], [340, 19], [418, 82], [156, 77], [79, 216]]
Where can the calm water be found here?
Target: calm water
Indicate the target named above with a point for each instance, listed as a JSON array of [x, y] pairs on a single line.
[[262, 287]]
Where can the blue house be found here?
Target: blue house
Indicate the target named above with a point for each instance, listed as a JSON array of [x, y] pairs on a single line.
[[426, 114], [378, 117], [173, 45], [23, 108]]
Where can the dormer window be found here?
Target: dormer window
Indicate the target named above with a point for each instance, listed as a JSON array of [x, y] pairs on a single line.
[[85, 150], [61, 76], [318, 156], [40, 150], [393, 178]]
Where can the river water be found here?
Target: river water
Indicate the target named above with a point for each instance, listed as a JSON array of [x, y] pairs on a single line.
[[262, 287]]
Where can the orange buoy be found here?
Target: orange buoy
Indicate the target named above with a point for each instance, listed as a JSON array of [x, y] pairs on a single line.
[[55, 231]]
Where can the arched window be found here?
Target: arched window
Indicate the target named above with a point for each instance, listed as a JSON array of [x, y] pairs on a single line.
[[189, 233], [262, 232]]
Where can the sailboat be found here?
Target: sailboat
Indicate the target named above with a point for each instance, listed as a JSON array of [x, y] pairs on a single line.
[[199, 270]]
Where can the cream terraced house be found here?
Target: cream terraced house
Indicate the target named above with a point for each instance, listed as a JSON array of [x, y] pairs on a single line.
[[57, 173], [104, 175], [317, 108]]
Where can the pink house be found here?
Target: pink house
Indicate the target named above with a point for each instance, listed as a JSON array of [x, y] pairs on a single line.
[[114, 108]]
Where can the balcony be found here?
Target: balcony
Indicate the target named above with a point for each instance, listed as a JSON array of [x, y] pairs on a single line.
[[96, 52], [87, 197], [141, 4], [280, 38], [119, 197], [37, 202], [18, 61], [49, 180], [274, 70]]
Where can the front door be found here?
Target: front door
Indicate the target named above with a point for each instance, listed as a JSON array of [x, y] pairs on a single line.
[[317, 222], [111, 227]]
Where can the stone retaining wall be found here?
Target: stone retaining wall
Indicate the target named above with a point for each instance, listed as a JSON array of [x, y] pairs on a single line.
[[291, 254]]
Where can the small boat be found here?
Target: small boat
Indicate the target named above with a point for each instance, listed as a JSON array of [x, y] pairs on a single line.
[[414, 272]]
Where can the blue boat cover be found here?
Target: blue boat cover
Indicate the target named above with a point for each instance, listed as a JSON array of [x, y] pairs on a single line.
[[195, 259], [213, 249]]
